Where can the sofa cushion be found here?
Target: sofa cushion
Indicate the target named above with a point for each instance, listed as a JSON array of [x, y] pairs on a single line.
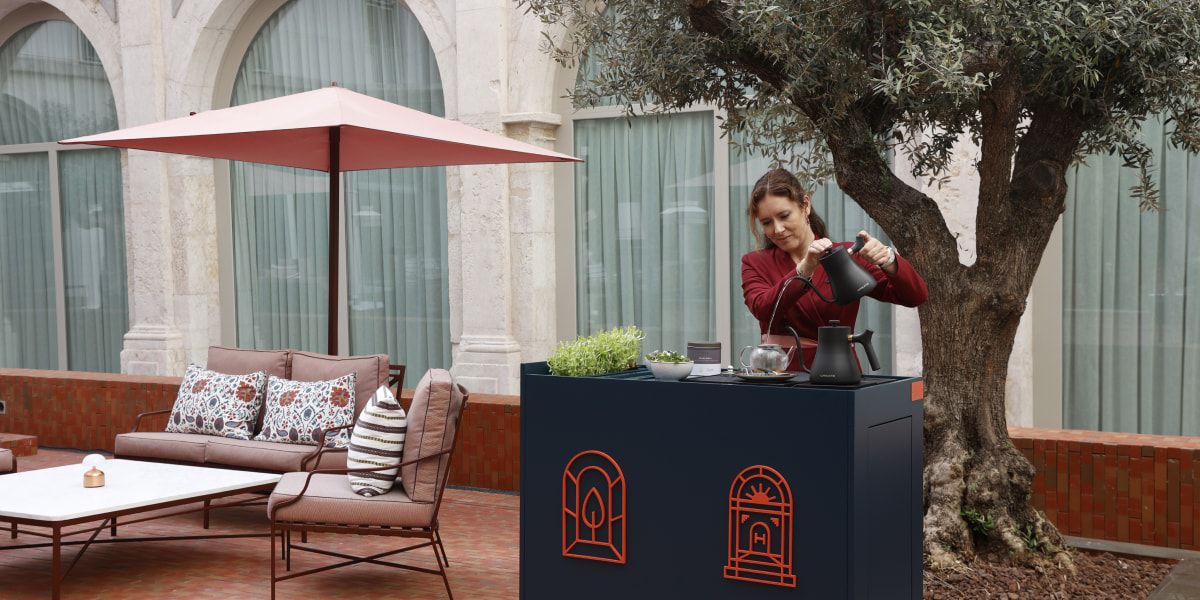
[[238, 361], [212, 403], [298, 411], [431, 425], [6, 460], [329, 499], [256, 456], [158, 445], [377, 442], [372, 372]]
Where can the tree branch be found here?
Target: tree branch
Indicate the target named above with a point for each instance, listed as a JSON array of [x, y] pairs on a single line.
[[708, 17], [1000, 108], [911, 218]]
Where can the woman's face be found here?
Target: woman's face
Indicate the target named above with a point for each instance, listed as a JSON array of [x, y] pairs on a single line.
[[784, 222]]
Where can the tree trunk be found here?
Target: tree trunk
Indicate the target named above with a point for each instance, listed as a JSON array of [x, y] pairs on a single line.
[[977, 484]]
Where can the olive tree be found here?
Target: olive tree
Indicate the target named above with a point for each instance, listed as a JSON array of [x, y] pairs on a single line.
[[1036, 84]]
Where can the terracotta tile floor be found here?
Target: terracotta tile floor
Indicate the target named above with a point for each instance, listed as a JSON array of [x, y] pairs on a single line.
[[479, 529]]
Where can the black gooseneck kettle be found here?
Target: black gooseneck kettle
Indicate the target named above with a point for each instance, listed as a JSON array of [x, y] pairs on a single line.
[[847, 278], [835, 362]]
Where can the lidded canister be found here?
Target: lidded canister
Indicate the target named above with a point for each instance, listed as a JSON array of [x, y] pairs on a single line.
[[706, 358]]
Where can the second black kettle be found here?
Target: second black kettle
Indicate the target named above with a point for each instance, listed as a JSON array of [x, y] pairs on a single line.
[[835, 362]]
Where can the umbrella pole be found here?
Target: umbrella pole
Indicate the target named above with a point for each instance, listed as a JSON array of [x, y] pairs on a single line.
[[335, 140]]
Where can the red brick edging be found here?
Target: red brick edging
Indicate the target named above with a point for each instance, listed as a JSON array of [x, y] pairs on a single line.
[[1116, 486], [69, 409]]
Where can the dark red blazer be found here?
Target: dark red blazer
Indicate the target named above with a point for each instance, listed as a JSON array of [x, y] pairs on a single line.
[[764, 272]]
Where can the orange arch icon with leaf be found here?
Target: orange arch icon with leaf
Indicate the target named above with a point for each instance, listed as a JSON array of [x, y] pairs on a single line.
[[593, 508], [760, 528]]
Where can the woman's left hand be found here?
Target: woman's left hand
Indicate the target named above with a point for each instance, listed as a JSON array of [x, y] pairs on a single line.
[[878, 254]]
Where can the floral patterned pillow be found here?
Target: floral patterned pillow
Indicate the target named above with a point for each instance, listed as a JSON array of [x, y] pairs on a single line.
[[216, 404], [298, 411]]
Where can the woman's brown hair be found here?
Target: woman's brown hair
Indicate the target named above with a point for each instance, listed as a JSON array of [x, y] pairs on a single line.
[[781, 182]]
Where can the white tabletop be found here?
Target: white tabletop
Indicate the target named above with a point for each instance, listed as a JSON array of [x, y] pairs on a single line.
[[57, 494]]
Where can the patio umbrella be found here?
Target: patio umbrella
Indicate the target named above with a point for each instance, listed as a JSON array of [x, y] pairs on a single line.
[[331, 129]]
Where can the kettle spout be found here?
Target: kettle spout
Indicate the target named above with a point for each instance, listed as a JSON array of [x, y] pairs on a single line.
[[799, 349]]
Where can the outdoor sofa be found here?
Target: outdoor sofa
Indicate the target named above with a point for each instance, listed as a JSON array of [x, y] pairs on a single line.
[[209, 450], [8, 462]]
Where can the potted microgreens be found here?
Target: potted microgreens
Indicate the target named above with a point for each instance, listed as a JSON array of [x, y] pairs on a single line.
[[607, 351], [667, 365]]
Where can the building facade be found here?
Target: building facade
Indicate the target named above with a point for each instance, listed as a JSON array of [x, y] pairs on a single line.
[[137, 261]]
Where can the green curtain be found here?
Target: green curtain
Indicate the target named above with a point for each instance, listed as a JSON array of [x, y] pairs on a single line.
[[52, 87], [844, 219], [395, 220], [93, 258], [644, 227], [28, 324], [1131, 305]]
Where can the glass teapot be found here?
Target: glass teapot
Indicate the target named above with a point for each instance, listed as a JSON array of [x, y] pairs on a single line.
[[766, 357]]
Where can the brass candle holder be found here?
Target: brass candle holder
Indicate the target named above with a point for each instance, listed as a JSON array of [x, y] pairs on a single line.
[[94, 477]]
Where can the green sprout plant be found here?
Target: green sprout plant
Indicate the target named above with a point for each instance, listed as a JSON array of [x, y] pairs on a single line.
[[666, 356], [980, 523], [603, 352], [1029, 535]]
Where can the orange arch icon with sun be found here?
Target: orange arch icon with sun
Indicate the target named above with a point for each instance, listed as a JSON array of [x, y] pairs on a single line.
[[760, 528], [593, 508]]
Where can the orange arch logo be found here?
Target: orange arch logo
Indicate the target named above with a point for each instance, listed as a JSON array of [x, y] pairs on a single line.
[[593, 508], [760, 528]]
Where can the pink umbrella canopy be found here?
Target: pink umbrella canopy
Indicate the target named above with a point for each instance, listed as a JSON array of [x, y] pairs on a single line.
[[331, 129], [294, 131]]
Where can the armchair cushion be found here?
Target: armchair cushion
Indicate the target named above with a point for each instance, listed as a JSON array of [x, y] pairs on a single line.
[[371, 372], [377, 441], [329, 500], [298, 411], [431, 424], [157, 445], [216, 404], [6, 460]]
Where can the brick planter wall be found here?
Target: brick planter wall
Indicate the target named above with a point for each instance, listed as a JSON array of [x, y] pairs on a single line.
[[67, 409], [1116, 486]]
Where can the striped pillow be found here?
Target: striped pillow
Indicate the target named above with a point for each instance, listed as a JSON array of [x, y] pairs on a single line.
[[377, 441]]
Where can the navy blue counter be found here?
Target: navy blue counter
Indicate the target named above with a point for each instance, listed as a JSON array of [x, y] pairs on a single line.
[[637, 488]]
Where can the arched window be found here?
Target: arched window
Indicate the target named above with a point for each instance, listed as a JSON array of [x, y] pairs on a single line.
[[660, 227], [395, 220], [63, 287]]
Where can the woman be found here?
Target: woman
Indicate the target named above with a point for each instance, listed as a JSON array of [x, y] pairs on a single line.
[[793, 239]]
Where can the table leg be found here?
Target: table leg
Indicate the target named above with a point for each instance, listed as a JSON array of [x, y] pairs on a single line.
[[112, 530], [56, 566], [206, 504], [14, 530]]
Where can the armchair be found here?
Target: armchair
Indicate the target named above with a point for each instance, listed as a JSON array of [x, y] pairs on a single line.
[[323, 501]]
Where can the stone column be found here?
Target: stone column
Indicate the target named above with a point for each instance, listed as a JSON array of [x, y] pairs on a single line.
[[153, 345], [487, 355], [531, 202]]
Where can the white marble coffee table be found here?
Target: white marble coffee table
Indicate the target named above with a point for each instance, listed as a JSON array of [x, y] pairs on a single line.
[[56, 499]]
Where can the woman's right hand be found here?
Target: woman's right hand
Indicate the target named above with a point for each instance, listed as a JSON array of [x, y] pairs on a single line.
[[812, 257]]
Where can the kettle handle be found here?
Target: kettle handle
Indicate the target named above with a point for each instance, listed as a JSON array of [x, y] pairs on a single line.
[[859, 242], [864, 338]]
